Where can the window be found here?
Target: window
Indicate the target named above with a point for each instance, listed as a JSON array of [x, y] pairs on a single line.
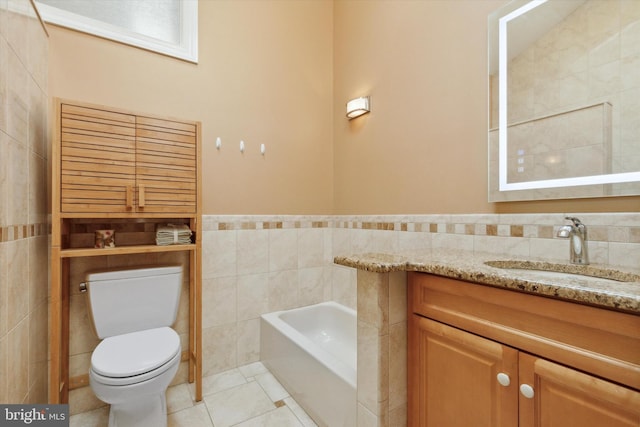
[[169, 27]]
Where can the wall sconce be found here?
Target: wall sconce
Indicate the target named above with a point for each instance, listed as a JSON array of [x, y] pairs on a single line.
[[357, 107]]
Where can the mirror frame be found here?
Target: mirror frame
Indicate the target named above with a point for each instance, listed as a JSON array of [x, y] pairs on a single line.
[[502, 17]]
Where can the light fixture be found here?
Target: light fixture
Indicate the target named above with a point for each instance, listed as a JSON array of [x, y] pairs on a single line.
[[357, 107]]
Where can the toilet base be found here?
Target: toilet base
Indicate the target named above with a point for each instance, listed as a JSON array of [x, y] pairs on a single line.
[[149, 411], [137, 404]]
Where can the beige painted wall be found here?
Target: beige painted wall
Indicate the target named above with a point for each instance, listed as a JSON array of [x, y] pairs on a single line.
[[279, 73], [264, 76], [423, 148]]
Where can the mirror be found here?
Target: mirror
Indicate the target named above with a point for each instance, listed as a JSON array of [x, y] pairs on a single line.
[[564, 99]]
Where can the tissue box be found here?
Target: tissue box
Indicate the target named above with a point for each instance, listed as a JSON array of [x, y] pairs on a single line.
[[105, 239]]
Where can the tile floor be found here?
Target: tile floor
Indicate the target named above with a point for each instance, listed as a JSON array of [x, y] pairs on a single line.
[[248, 396]]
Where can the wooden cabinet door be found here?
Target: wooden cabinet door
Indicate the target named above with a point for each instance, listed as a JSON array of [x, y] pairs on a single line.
[[113, 162], [453, 378], [563, 397], [97, 160], [166, 159]]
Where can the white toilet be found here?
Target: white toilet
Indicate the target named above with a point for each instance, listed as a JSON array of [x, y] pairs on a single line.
[[132, 312]]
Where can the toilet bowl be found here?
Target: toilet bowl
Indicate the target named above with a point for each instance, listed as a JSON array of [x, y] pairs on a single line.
[[132, 372], [135, 362]]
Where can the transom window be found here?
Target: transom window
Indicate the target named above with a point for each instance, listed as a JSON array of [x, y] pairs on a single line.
[[169, 27]]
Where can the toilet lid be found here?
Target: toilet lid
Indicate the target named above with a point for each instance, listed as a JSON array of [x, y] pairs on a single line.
[[135, 353]]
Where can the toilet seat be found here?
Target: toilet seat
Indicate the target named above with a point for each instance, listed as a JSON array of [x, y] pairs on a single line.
[[128, 381], [135, 357]]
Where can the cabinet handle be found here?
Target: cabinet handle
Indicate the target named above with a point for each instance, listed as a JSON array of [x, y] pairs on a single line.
[[504, 379], [129, 197], [527, 391], [141, 200]]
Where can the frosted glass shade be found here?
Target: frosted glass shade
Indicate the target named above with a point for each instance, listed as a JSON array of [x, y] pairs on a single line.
[[357, 107]]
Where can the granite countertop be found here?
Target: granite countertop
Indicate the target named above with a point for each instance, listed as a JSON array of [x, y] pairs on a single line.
[[621, 293]]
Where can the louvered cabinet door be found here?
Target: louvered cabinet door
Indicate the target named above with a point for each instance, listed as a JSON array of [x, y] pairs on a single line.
[[97, 160], [165, 166]]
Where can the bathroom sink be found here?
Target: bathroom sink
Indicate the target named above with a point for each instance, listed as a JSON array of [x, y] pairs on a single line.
[[564, 271]]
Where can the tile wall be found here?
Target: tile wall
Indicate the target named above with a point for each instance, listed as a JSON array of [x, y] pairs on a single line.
[[257, 264], [23, 204], [251, 266], [565, 145]]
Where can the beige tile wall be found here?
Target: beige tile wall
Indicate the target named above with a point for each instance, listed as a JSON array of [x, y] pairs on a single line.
[[23, 205], [614, 238], [257, 264], [382, 393], [382, 345], [235, 294], [565, 145]]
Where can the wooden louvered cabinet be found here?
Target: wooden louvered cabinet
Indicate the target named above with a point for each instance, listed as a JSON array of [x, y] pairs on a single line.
[[165, 166], [115, 162], [124, 169]]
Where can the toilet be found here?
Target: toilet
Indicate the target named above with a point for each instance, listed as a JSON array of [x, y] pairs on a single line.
[[132, 311]]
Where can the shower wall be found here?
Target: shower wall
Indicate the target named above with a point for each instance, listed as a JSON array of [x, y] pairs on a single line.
[[24, 224]]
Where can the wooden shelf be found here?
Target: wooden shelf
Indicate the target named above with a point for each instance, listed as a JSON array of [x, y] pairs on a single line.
[[111, 166], [124, 250]]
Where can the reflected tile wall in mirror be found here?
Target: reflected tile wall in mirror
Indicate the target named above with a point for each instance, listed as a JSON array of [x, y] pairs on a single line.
[[590, 57]]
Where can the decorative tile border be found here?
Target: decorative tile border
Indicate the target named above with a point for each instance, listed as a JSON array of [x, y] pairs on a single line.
[[627, 232], [11, 233], [621, 228], [242, 223], [472, 229]]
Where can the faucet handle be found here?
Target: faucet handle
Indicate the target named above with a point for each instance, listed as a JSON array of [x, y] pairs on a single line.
[[564, 231], [575, 221]]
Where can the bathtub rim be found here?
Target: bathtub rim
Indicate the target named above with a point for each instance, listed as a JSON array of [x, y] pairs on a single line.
[[331, 362]]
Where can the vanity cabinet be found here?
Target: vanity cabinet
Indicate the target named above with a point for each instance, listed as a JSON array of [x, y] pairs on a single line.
[[116, 168], [485, 356], [455, 378]]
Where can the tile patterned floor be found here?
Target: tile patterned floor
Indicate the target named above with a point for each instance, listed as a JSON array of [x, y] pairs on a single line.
[[245, 397]]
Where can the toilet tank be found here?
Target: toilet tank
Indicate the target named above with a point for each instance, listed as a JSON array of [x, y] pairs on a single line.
[[129, 300]]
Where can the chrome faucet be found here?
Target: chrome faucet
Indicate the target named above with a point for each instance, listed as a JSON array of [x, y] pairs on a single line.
[[577, 235]]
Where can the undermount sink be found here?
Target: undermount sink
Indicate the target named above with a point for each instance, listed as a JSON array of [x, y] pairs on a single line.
[[568, 271]]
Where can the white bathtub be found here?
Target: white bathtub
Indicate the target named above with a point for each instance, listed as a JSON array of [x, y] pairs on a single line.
[[312, 352]]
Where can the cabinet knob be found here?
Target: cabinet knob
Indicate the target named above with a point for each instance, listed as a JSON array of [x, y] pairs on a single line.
[[504, 379], [527, 391]]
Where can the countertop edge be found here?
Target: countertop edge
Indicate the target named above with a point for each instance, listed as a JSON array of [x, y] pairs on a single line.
[[471, 268]]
